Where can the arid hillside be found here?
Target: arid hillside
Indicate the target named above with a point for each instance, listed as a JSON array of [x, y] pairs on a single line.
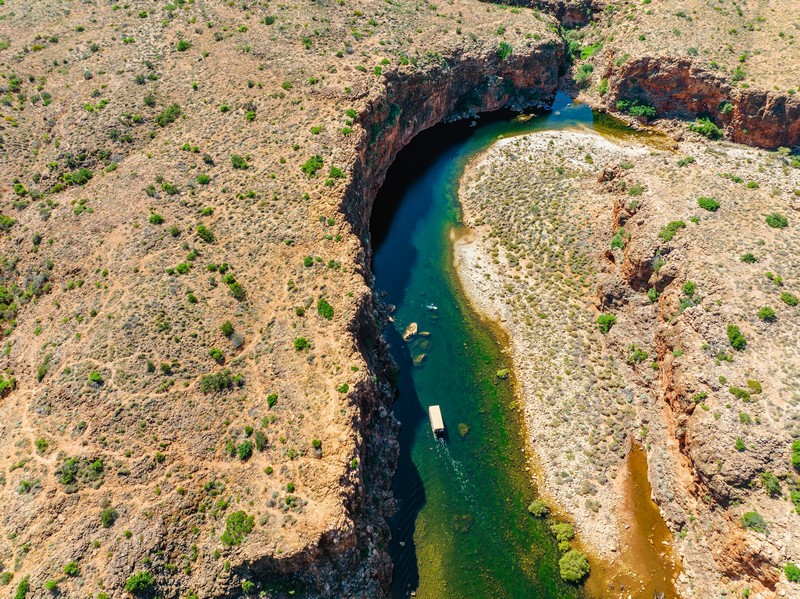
[[194, 388]]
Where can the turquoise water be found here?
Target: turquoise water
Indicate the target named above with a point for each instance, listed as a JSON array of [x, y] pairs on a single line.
[[462, 527]]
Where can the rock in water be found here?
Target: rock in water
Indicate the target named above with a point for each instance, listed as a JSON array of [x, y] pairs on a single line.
[[410, 331]]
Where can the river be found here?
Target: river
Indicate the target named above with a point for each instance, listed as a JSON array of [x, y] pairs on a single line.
[[462, 528]]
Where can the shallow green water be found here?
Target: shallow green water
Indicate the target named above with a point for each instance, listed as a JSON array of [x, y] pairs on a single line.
[[462, 529]]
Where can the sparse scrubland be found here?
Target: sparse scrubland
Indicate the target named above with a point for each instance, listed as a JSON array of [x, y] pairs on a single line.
[[195, 397]]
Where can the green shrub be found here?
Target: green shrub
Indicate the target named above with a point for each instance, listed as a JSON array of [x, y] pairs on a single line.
[[584, 74], [605, 322], [169, 115], [767, 314], [325, 309], [618, 241], [771, 484], [237, 526], [749, 258], [183, 45], [739, 444], [710, 204], [226, 328], [272, 400], [248, 586], [237, 290], [216, 355], [22, 588], [504, 50], [203, 179], [573, 566], [790, 299], [792, 572], [301, 343], [312, 165], [156, 219], [777, 221], [739, 393], [81, 176], [668, 232], [108, 516], [238, 162], [95, 377], [538, 509], [636, 108], [735, 337], [51, 585], [260, 440], [205, 234], [140, 583], [220, 381], [244, 450], [72, 569], [316, 443], [796, 455], [706, 127], [753, 521], [652, 295], [563, 531], [6, 222]]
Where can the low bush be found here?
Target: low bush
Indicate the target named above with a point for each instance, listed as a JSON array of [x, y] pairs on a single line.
[[312, 165], [220, 381], [573, 566], [205, 234], [766, 314], [245, 450], [140, 583], [707, 128], [237, 526], [792, 572], [504, 50], [735, 337], [538, 508], [636, 108], [710, 204], [771, 484], [325, 309], [605, 322], [790, 299], [777, 220], [753, 521], [668, 231], [238, 162], [108, 516], [169, 115], [749, 258]]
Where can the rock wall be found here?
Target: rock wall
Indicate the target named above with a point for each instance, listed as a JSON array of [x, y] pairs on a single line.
[[677, 87]]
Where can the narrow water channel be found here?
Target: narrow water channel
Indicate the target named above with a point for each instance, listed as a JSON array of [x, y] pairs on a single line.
[[462, 527]]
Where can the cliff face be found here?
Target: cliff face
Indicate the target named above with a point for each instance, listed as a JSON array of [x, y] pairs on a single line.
[[462, 84], [678, 87]]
